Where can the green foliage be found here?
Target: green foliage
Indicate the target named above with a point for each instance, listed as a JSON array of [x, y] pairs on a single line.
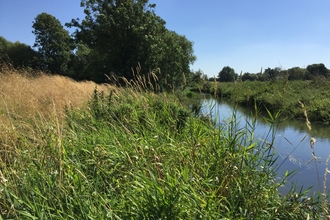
[[227, 74], [297, 73], [249, 77], [119, 35], [174, 61], [280, 95], [17, 54], [271, 73], [133, 116], [143, 156], [196, 79], [318, 70], [53, 43]]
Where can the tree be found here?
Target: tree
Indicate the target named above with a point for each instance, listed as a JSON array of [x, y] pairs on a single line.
[[53, 43], [4, 44], [195, 78], [318, 70], [297, 73], [249, 76], [174, 58], [18, 54], [272, 73], [120, 34], [227, 74], [80, 62]]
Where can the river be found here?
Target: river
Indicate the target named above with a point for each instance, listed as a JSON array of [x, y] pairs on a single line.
[[292, 143]]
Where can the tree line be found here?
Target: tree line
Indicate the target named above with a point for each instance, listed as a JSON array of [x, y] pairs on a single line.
[[114, 38], [312, 71], [119, 39]]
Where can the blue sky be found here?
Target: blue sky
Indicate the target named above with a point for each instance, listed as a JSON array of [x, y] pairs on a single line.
[[245, 35]]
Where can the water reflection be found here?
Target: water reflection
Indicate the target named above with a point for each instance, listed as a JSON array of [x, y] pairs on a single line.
[[292, 142]]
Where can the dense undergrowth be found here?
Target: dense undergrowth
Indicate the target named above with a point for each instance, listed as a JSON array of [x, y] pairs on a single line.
[[280, 95], [128, 154]]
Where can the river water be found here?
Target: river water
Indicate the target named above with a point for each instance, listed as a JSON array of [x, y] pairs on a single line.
[[292, 143]]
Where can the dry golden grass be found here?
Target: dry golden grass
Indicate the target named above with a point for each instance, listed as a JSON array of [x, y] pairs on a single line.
[[30, 103], [22, 95]]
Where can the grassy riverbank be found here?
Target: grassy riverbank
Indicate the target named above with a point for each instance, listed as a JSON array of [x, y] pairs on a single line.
[[281, 95], [71, 152]]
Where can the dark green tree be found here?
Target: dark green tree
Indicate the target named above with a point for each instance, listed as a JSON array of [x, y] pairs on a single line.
[[4, 45], [249, 77], [120, 34], [80, 62], [297, 73], [227, 74], [53, 43], [17, 54], [318, 70], [272, 73]]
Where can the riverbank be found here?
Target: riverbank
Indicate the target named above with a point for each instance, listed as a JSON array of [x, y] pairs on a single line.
[[125, 154], [281, 95]]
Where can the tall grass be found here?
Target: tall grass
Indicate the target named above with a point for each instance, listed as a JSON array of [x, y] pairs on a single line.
[[132, 154], [281, 95]]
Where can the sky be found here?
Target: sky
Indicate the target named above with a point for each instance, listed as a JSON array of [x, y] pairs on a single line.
[[246, 35]]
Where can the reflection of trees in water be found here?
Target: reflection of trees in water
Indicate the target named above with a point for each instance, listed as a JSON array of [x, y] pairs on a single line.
[[318, 129]]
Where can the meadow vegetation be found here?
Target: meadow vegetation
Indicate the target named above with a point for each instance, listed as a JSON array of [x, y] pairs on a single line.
[[279, 95], [74, 150]]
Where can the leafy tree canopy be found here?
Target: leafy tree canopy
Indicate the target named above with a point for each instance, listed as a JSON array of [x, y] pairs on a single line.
[[318, 70], [297, 73], [53, 43], [249, 77], [227, 74], [120, 34], [18, 54], [272, 73]]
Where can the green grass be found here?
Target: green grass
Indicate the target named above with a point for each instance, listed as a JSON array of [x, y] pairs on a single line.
[[137, 155], [281, 95]]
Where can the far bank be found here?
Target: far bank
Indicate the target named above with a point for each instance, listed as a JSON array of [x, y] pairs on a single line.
[[283, 96]]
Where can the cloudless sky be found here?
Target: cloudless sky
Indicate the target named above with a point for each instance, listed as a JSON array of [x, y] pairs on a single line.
[[246, 35]]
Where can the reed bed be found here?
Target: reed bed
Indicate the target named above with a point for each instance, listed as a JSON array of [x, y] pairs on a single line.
[[280, 95], [102, 152]]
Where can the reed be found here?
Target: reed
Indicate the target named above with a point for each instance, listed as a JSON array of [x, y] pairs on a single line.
[[280, 95], [132, 153]]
